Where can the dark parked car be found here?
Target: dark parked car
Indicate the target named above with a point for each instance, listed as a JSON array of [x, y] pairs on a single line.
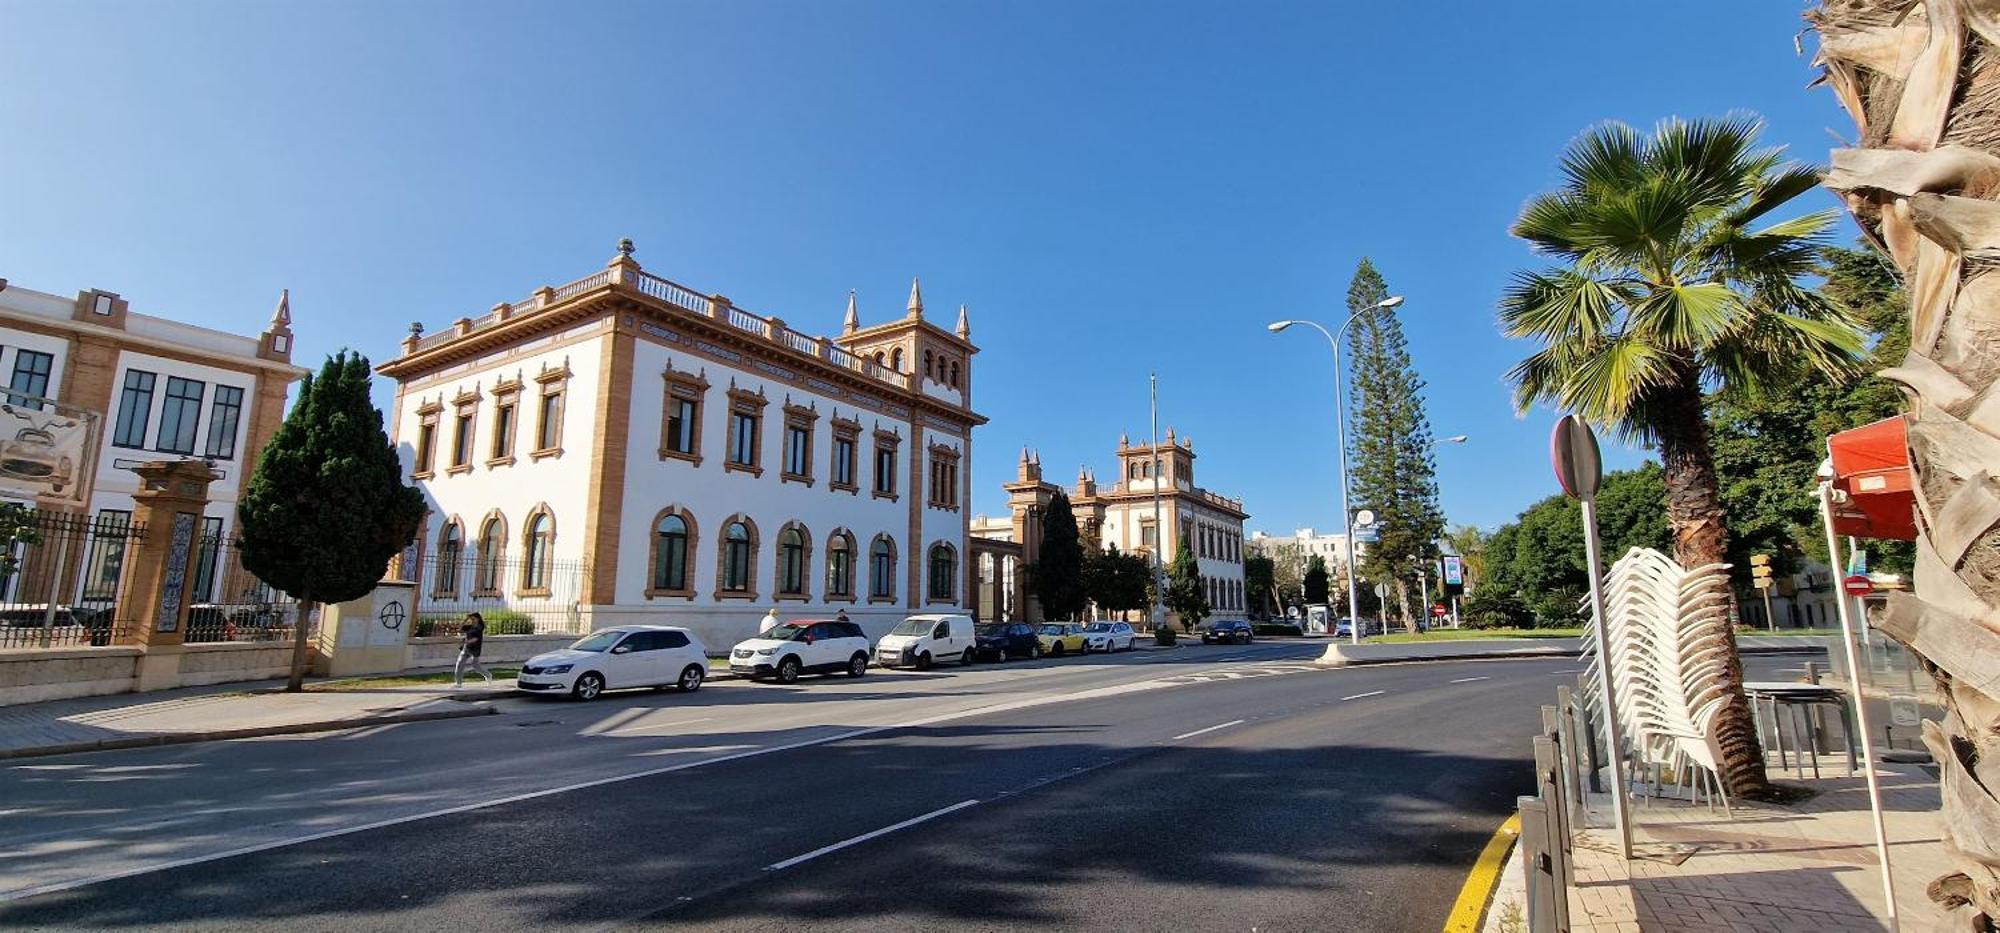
[[1006, 640], [1226, 632]]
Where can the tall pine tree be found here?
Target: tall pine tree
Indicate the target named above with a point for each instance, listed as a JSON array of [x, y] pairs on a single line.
[[1392, 469], [1057, 576], [327, 506]]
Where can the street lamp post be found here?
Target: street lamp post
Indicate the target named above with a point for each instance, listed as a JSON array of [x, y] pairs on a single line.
[[1340, 429]]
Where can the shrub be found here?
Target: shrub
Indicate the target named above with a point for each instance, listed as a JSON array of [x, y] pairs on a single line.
[[498, 622], [1277, 628], [1492, 608], [1163, 635]]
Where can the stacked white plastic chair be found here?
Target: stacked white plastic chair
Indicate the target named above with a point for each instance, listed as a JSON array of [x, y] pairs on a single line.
[[1668, 631]]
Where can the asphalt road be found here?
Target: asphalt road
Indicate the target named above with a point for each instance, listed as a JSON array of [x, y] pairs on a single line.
[[1204, 788]]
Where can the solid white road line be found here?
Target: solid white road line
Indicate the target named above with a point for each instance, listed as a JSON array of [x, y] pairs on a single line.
[[1467, 680], [1189, 735], [1363, 696], [864, 837], [655, 727]]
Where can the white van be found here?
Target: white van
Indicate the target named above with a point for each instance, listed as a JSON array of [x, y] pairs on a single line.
[[920, 641]]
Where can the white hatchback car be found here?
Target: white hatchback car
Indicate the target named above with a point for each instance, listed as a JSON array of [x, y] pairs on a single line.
[[615, 658], [1109, 636]]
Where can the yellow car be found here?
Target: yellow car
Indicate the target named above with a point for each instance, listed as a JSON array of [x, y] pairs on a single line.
[[1061, 638]]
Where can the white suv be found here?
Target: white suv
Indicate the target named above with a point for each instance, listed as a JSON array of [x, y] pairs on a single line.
[[802, 647], [612, 658], [920, 641]]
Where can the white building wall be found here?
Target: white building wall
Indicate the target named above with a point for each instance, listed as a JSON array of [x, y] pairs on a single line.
[[563, 482], [115, 484]]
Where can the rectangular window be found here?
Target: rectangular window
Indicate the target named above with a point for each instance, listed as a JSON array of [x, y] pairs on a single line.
[[206, 558], [503, 430], [223, 415], [461, 440], [1149, 536], [944, 481], [798, 451], [843, 462], [107, 554], [427, 436], [179, 415], [135, 409], [885, 470], [743, 438], [681, 416], [548, 429], [31, 378]]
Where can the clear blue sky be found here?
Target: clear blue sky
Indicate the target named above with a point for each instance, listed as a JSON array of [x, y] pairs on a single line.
[[1112, 187]]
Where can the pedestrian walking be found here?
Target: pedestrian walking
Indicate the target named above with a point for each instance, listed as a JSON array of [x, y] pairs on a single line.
[[471, 638], [770, 621]]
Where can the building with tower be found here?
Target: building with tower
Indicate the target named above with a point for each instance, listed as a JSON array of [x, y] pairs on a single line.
[[1125, 514], [636, 451]]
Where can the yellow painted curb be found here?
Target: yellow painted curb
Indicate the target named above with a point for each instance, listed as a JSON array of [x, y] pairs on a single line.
[[1469, 912]]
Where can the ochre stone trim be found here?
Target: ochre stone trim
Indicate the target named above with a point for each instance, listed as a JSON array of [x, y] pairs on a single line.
[[693, 387], [948, 599], [749, 590], [688, 553], [744, 402], [895, 560], [606, 498], [554, 380], [464, 544], [481, 556], [540, 510]]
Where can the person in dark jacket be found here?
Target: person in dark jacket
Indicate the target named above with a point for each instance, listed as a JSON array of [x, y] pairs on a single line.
[[471, 638]]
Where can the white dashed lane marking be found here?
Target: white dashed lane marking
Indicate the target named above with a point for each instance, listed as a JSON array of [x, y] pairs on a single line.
[[1363, 696], [1467, 680], [1189, 735]]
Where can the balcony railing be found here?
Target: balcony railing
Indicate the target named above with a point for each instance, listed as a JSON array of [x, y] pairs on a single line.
[[685, 299]]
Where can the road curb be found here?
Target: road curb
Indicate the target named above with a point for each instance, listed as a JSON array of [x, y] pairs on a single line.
[[1335, 658], [218, 735], [1468, 913]]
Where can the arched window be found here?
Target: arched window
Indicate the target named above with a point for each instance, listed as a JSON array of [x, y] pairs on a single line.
[[739, 549], [954, 374], [492, 550], [539, 544], [879, 361], [944, 571], [882, 568], [671, 537], [792, 561], [896, 360], [840, 566], [450, 554], [928, 372]]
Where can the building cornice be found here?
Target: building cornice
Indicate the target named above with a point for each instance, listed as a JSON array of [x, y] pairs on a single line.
[[126, 338]]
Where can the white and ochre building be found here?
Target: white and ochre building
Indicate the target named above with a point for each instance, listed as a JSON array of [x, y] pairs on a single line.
[[1123, 514], [649, 453], [163, 390]]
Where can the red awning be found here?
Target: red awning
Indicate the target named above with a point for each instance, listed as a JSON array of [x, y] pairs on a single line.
[[1872, 465]]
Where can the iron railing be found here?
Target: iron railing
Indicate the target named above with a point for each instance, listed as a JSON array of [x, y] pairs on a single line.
[[59, 588], [514, 595]]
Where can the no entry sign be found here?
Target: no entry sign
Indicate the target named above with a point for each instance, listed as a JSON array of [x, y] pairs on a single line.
[[1858, 585]]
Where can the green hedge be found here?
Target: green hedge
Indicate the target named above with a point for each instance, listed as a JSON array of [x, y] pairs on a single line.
[[498, 622], [1276, 628]]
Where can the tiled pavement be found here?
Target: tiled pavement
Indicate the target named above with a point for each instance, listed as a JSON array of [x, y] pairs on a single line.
[[1771, 869]]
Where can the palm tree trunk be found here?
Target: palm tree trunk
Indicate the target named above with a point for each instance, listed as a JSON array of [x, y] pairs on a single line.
[[1696, 518], [1921, 181]]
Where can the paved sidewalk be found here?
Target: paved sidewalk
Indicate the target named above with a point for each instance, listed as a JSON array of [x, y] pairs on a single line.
[[1806, 866], [223, 711]]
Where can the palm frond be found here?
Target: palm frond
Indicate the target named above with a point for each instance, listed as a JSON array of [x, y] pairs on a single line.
[[1557, 304], [1686, 318]]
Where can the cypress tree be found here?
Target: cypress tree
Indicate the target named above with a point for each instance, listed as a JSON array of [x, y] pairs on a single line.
[[1058, 571], [327, 507], [1186, 596], [1392, 470], [1316, 581]]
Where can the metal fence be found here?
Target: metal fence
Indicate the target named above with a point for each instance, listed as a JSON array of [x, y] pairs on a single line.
[[1548, 818], [228, 603], [59, 588], [515, 596]]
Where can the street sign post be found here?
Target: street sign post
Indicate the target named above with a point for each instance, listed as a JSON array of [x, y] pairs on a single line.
[[1579, 469]]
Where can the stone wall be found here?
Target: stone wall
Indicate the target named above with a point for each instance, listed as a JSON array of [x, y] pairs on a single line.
[[229, 662], [37, 674]]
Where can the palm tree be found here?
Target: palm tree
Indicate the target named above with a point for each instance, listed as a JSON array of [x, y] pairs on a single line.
[[1918, 82], [1470, 545], [1667, 288]]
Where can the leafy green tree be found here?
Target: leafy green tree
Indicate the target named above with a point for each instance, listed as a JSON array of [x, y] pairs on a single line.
[[17, 527], [1671, 284], [1259, 573], [1316, 581], [1469, 543], [1769, 445], [1057, 576], [1538, 560], [1118, 582], [1186, 596], [327, 507], [1394, 472]]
